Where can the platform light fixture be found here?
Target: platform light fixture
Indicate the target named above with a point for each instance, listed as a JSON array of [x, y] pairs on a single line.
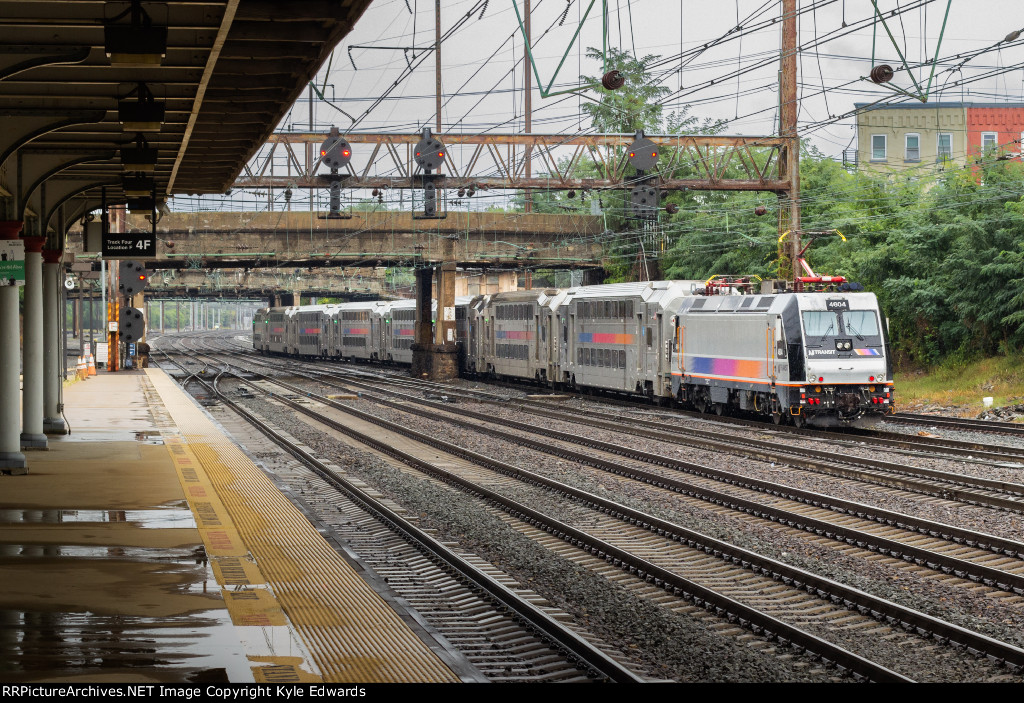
[[138, 43], [141, 157], [137, 186], [143, 113]]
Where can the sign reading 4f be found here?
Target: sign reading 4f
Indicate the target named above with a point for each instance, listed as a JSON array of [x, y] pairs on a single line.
[[129, 246]]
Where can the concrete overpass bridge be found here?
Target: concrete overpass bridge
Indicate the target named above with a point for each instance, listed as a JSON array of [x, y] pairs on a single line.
[[481, 240]]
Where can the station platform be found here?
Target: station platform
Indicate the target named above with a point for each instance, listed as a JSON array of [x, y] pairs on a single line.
[[145, 546]]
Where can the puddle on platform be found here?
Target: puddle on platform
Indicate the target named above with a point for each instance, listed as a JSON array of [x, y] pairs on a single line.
[[150, 519], [201, 647], [85, 551], [149, 437], [198, 646]]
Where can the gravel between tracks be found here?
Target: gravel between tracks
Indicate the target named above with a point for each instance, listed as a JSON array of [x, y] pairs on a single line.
[[965, 605], [677, 645]]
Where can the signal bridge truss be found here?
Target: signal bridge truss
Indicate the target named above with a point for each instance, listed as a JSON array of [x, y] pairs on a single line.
[[526, 161]]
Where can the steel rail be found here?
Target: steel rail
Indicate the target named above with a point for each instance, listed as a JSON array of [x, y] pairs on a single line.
[[864, 603], [587, 654], [997, 578], [749, 618]]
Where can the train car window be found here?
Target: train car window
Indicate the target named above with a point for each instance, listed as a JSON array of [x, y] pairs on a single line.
[[650, 336], [579, 357], [820, 323], [862, 322], [622, 358]]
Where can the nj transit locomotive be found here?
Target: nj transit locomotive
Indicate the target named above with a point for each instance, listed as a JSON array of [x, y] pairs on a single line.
[[805, 358]]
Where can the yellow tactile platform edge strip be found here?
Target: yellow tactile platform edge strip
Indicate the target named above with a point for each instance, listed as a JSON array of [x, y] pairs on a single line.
[[351, 633]]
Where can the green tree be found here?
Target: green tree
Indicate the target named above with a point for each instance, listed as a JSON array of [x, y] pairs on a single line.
[[634, 106]]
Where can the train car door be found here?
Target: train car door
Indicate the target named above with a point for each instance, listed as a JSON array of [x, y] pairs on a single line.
[[641, 358], [660, 348]]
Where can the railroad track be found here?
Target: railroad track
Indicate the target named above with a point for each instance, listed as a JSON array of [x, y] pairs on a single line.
[[604, 541], [959, 423], [975, 451], [963, 488], [476, 609], [994, 561]]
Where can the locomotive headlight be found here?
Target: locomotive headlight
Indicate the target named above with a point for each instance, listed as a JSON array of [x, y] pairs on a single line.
[[817, 389]]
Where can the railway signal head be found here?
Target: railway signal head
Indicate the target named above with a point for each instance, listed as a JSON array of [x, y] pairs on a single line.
[[429, 199], [132, 325], [643, 154], [644, 201], [134, 278], [430, 152], [335, 152]]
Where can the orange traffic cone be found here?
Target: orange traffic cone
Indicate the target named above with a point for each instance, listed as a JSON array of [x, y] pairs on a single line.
[[92, 365]]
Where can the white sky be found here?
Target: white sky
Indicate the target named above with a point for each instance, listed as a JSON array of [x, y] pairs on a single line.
[[481, 55], [482, 67]]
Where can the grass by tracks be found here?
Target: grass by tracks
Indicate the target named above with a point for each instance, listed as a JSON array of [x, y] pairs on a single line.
[[957, 388]]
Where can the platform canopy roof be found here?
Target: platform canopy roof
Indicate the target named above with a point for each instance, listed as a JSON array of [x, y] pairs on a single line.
[[72, 76]]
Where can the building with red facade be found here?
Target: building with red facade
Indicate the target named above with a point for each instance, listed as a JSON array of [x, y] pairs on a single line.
[[934, 136], [994, 126]]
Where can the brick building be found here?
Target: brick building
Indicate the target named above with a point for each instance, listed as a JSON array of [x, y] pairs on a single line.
[[929, 137]]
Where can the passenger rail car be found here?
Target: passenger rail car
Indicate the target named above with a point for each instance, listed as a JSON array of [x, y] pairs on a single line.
[[806, 358]]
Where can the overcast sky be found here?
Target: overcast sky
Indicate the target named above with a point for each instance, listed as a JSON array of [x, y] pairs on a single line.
[[392, 89], [483, 68]]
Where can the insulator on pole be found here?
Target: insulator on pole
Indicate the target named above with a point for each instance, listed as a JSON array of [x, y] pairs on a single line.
[[881, 73]]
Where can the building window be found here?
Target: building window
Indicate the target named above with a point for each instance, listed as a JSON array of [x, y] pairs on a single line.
[[878, 147], [945, 147], [989, 140], [913, 144]]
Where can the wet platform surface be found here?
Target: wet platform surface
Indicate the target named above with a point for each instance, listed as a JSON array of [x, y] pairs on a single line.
[[146, 547]]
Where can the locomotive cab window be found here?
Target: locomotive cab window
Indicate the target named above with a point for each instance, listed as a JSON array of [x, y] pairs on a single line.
[[862, 322], [820, 323]]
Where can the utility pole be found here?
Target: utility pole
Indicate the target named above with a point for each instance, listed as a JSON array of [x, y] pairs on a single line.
[[789, 154], [527, 105], [437, 64]]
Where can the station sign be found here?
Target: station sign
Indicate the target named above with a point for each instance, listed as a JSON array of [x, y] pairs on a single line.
[[129, 245], [12, 262]]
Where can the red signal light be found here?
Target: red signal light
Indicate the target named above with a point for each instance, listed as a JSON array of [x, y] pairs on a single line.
[[323, 152], [441, 154], [632, 154]]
